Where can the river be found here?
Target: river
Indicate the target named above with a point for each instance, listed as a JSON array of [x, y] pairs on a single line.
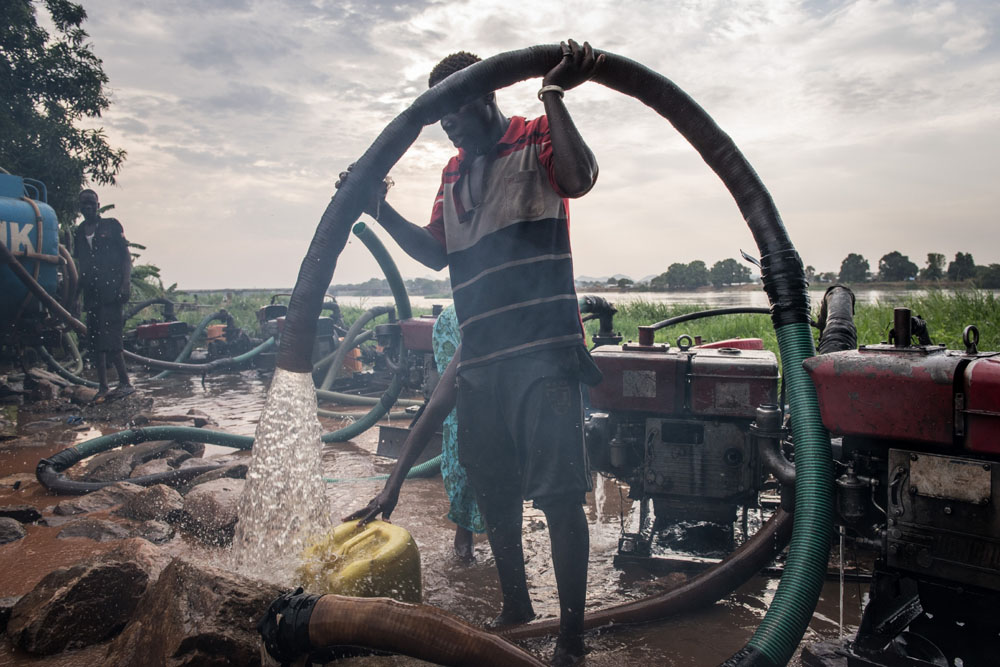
[[755, 298]]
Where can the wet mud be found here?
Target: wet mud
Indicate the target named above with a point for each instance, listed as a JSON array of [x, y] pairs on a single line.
[[469, 590]]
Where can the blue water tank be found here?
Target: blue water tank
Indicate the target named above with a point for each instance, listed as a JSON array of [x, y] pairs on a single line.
[[29, 229]]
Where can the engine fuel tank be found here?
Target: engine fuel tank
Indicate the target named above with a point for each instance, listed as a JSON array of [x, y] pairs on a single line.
[[723, 382], [982, 405], [884, 392]]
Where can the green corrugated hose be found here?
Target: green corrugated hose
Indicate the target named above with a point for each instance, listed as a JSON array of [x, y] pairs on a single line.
[[805, 569]]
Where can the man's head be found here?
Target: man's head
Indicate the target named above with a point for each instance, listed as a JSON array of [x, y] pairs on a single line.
[[449, 65], [477, 125], [89, 205]]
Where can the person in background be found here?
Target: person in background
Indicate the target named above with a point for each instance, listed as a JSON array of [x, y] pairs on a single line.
[[105, 268]]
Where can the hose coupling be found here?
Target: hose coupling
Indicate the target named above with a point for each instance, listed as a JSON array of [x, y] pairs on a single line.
[[284, 628]]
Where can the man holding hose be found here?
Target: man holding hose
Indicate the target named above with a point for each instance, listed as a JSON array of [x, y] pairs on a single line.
[[500, 223]]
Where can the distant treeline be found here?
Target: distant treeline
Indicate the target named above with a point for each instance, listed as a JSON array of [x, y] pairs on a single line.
[[380, 287], [893, 267]]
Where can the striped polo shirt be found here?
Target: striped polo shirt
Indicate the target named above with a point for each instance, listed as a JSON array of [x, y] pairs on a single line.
[[509, 254]]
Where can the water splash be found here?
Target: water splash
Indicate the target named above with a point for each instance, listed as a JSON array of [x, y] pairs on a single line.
[[283, 502]]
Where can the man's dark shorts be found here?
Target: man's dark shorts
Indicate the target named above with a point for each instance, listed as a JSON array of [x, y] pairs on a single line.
[[104, 327], [520, 426]]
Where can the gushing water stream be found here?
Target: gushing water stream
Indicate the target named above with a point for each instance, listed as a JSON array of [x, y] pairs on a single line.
[[284, 501]]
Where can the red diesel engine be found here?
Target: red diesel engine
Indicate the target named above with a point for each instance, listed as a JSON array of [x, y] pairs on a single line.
[[158, 340], [920, 429], [674, 424]]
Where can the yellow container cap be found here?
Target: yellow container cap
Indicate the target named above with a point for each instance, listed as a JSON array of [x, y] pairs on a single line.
[[376, 560]]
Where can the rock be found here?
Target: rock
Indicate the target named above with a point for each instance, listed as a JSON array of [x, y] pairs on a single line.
[[102, 499], [156, 532], [21, 513], [175, 456], [193, 463], [6, 606], [154, 467], [195, 449], [195, 615], [8, 419], [11, 530], [41, 389], [235, 470], [210, 510], [117, 464], [830, 653], [101, 530], [155, 502], [42, 375], [87, 603], [79, 394], [148, 556]]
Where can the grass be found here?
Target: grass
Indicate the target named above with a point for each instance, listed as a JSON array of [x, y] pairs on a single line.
[[946, 314]]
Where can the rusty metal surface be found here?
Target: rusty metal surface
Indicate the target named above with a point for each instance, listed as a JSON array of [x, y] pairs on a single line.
[[731, 382], [951, 535], [950, 479], [982, 406], [417, 333], [639, 380], [880, 392]]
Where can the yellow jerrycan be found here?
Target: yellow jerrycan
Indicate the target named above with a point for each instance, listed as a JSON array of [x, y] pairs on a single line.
[[378, 559]]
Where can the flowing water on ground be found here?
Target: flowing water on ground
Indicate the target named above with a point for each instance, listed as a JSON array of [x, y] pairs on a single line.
[[235, 401], [283, 502]]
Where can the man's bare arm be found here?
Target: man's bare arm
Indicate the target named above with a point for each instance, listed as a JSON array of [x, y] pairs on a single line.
[[440, 405], [415, 240], [574, 163]]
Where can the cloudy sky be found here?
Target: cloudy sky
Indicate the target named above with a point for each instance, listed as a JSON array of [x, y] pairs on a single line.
[[874, 124]]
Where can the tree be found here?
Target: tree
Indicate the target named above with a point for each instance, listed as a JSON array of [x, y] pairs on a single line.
[[895, 266], [963, 268], [624, 283], [989, 276], [729, 272], [935, 267], [47, 84], [697, 274], [683, 276], [854, 269], [676, 276]]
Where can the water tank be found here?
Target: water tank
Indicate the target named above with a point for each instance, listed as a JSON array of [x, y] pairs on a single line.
[[29, 229]]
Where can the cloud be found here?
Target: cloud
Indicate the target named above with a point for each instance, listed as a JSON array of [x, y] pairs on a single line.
[[870, 123]]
